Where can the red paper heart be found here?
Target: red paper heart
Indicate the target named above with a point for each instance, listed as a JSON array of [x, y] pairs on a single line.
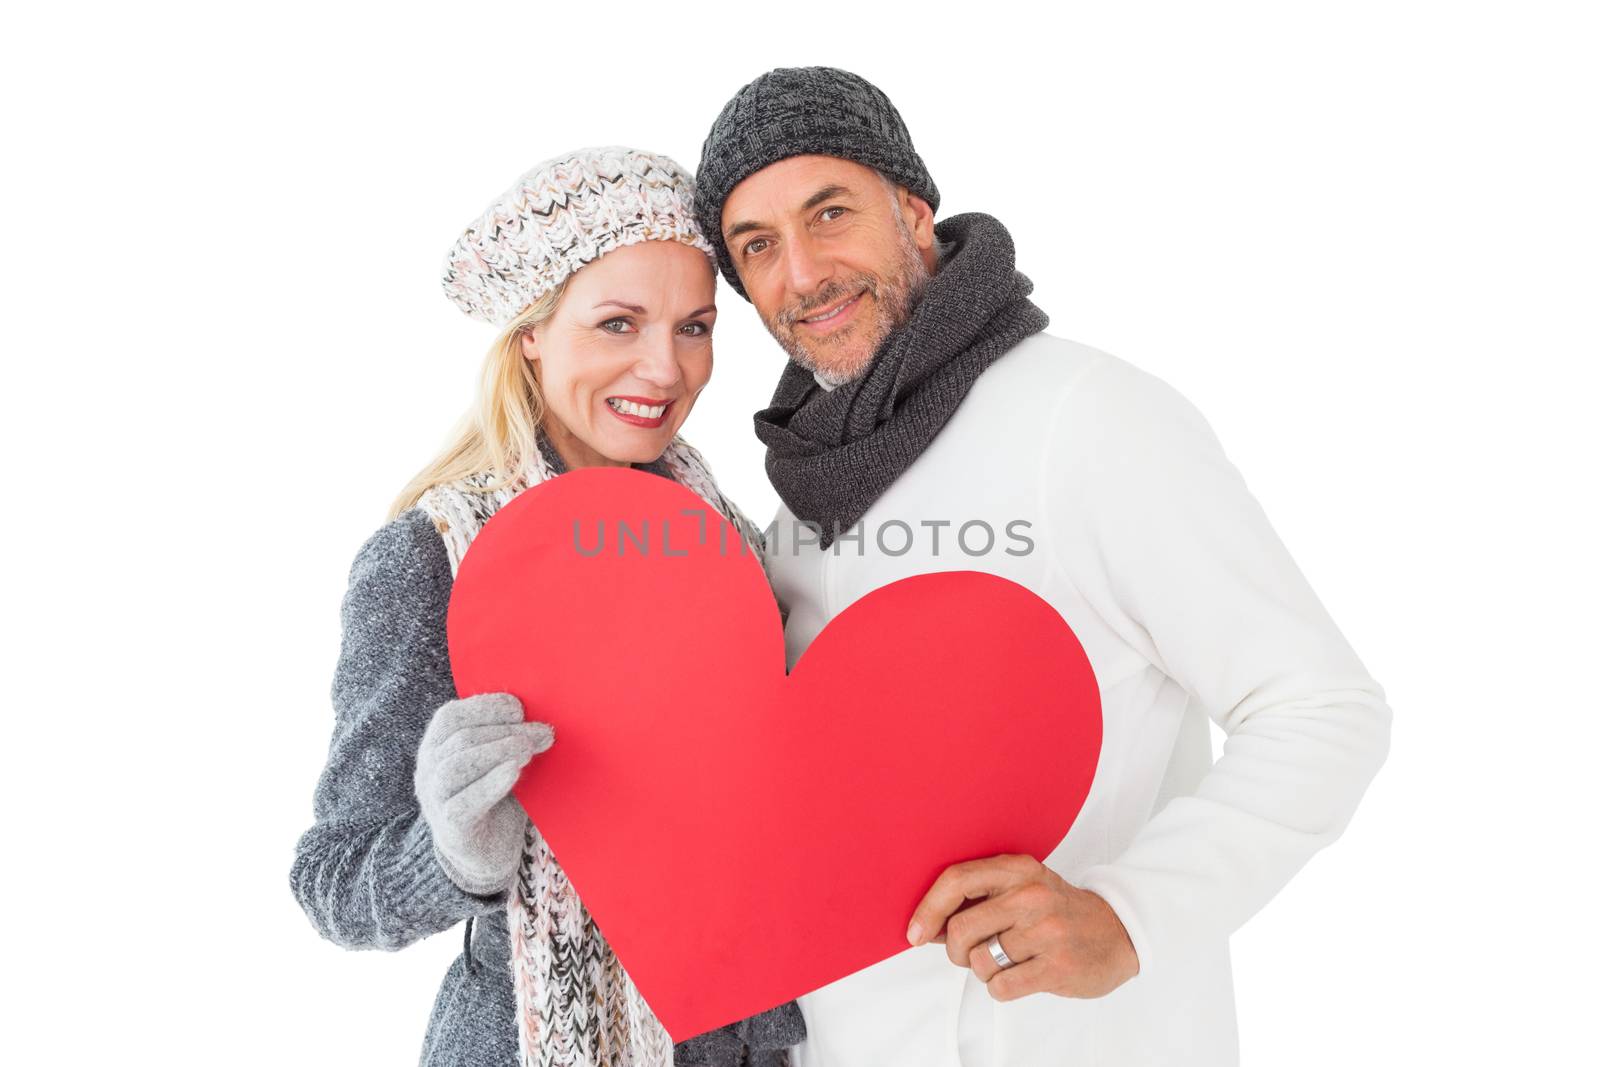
[[742, 837]]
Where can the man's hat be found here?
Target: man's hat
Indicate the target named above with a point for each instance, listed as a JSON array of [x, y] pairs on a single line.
[[797, 111]]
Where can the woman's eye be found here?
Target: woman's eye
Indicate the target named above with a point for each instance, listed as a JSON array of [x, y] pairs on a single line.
[[610, 323], [696, 329]]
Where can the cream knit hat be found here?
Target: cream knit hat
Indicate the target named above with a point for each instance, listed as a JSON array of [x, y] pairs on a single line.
[[565, 212]]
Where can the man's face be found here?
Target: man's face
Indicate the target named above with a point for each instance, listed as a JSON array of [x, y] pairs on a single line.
[[832, 256]]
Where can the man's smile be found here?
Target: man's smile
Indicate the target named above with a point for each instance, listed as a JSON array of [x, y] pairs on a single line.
[[835, 317]]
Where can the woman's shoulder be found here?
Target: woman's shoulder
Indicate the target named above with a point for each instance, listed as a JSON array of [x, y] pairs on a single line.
[[405, 560], [457, 510]]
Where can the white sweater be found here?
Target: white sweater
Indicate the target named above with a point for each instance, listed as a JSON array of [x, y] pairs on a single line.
[[1147, 541]]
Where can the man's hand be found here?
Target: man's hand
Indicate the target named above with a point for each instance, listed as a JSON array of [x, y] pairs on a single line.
[[1061, 939]]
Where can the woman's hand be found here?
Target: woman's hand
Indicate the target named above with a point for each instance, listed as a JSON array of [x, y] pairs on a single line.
[[470, 756]]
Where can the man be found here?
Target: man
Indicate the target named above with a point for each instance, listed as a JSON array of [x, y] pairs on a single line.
[[924, 405]]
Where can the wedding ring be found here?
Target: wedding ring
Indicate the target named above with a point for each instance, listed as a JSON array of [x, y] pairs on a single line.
[[999, 954]]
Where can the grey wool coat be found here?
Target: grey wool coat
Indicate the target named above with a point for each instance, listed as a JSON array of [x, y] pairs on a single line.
[[365, 872]]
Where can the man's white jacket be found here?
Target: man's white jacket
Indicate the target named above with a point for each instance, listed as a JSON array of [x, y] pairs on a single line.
[[1146, 540]]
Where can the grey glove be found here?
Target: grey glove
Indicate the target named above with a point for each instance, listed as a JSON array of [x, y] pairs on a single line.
[[470, 756]]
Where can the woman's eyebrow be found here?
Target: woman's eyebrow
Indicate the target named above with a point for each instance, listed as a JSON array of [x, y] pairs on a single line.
[[637, 310]]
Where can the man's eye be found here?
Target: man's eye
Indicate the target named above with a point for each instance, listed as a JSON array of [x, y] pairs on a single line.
[[755, 247], [609, 323], [827, 211]]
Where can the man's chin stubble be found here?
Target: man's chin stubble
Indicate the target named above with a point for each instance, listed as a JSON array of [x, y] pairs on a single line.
[[834, 374]]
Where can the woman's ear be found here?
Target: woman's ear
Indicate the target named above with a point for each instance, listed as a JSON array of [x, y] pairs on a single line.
[[529, 349]]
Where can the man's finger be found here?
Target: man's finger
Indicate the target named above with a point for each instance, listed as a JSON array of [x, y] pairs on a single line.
[[971, 927], [1031, 976], [961, 882]]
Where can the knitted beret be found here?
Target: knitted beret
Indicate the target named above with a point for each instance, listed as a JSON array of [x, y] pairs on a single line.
[[797, 111], [565, 212]]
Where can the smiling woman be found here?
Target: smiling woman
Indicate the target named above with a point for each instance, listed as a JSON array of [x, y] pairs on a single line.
[[603, 289]]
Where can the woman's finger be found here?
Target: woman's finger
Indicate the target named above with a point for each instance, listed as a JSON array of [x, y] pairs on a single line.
[[471, 803], [461, 769], [481, 709], [466, 737]]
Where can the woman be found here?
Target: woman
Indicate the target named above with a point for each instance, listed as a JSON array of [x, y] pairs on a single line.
[[604, 290]]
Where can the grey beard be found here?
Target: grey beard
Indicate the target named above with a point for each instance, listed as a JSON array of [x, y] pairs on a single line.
[[826, 380]]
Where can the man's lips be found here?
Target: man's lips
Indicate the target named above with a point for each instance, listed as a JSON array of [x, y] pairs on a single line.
[[833, 316]]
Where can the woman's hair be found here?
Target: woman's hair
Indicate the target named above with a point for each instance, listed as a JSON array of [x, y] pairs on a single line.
[[497, 434]]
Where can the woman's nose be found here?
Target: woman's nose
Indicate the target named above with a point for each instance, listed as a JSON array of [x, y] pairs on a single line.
[[658, 363]]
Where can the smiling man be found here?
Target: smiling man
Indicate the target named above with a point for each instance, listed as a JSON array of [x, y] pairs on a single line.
[[923, 409]]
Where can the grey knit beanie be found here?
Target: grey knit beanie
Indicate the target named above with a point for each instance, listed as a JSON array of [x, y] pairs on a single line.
[[797, 111]]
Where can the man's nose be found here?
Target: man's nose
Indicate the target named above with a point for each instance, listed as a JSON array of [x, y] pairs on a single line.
[[809, 267]]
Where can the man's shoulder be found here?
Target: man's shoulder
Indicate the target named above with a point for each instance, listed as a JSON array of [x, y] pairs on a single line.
[[1045, 368], [1080, 399]]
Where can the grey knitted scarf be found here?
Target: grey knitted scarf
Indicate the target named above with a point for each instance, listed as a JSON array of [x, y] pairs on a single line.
[[832, 453]]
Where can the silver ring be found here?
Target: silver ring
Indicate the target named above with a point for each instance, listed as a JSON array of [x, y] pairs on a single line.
[[998, 953]]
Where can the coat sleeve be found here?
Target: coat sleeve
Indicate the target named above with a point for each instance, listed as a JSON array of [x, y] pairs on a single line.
[[365, 873], [1157, 530]]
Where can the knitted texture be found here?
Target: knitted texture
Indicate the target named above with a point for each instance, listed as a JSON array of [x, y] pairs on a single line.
[[565, 212], [799, 111], [575, 1004]]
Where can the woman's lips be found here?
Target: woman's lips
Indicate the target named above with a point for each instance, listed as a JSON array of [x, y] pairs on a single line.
[[835, 318], [640, 420]]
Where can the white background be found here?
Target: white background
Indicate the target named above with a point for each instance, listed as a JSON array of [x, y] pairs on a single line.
[[1360, 237]]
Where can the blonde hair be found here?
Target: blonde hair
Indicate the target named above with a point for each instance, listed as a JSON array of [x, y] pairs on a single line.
[[498, 433]]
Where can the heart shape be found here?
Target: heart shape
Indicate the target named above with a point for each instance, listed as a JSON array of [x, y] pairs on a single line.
[[742, 836]]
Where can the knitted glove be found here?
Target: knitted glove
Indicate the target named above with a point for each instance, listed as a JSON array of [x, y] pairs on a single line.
[[470, 756]]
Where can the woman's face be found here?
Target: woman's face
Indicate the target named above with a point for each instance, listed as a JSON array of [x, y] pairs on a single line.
[[626, 353]]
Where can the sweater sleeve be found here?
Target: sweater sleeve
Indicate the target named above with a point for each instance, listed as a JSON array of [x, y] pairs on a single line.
[[1157, 530], [365, 873]]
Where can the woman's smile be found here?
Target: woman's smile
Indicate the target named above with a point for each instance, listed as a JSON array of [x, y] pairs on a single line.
[[639, 411]]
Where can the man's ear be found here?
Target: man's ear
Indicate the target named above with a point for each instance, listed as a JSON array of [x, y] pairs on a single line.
[[919, 217]]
